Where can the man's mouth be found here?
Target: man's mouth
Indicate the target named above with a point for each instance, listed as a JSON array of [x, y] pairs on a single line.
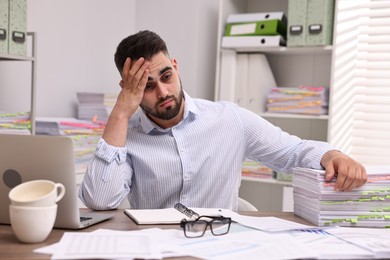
[[166, 103]]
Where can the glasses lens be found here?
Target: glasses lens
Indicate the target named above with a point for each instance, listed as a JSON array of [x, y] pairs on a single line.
[[220, 226], [195, 228]]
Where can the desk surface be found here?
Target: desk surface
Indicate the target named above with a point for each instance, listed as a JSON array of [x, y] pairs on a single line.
[[11, 248]]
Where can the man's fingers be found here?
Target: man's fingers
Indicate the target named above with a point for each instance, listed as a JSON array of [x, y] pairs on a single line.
[[126, 69]]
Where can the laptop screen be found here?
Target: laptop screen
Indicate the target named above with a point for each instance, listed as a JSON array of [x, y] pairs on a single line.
[[31, 157]]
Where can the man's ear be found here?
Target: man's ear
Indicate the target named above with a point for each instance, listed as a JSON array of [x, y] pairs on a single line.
[[174, 64]]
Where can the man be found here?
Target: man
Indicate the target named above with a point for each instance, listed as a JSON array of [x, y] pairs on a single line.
[[179, 149]]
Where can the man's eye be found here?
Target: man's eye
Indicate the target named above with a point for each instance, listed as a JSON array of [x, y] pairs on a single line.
[[148, 86], [167, 76]]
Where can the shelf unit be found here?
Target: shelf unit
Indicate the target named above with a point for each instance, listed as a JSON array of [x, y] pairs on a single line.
[[291, 66], [32, 59]]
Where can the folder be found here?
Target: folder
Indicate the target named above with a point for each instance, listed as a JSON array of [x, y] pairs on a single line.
[[296, 30], [4, 26], [268, 27], [241, 83], [260, 81], [227, 76], [320, 14], [17, 40], [252, 41], [251, 17]]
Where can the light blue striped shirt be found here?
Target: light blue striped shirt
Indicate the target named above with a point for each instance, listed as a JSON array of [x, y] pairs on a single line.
[[197, 162]]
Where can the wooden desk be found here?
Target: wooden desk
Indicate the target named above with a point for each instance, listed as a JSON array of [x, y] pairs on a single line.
[[11, 248]]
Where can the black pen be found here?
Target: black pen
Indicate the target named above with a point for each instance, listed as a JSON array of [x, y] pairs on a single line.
[[186, 211]]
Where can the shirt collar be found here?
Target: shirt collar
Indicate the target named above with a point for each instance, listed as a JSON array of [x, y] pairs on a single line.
[[190, 112]]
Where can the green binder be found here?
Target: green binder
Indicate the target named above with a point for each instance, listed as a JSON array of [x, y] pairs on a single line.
[[17, 40], [320, 15], [310, 22], [3, 26], [296, 18], [265, 27]]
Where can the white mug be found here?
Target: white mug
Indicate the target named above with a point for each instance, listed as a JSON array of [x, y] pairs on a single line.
[[32, 224], [37, 193]]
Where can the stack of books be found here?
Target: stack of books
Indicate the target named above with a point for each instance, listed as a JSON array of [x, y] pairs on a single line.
[[97, 106], [255, 30], [367, 206], [15, 123], [298, 100]]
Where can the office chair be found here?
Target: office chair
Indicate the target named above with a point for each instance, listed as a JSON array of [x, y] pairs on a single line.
[[244, 205]]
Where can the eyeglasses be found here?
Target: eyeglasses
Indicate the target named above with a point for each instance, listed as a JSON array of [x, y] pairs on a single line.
[[219, 225]]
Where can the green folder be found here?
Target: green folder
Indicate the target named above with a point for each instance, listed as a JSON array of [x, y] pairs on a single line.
[[17, 40], [266, 27], [320, 15], [297, 12], [3, 26]]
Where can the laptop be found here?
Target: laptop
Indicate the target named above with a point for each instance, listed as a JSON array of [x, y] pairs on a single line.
[[31, 157]]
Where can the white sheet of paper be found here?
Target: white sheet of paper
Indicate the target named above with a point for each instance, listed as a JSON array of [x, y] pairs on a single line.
[[75, 245]]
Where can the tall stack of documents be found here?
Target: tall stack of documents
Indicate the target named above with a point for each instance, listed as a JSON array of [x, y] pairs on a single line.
[[15, 123], [95, 105], [368, 206], [255, 30], [84, 134], [298, 100]]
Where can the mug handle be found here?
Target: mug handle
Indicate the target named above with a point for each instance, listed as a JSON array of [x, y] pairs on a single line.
[[61, 189]]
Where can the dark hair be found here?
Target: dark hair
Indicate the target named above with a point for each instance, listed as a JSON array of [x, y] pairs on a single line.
[[142, 44]]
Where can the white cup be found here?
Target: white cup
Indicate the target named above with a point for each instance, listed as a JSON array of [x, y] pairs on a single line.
[[37, 193], [32, 224]]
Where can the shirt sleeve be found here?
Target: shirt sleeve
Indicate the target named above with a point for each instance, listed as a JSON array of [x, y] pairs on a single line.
[[277, 149], [107, 180]]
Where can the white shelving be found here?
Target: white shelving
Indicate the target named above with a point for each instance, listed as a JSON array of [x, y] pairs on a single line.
[[291, 67], [32, 59]]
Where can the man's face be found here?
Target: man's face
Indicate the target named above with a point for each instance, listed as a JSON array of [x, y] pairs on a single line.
[[163, 93]]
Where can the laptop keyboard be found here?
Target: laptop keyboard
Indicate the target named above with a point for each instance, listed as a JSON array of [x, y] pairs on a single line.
[[85, 218]]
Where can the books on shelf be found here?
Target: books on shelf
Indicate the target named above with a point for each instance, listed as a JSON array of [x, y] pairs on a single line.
[[15, 123], [367, 206], [298, 100]]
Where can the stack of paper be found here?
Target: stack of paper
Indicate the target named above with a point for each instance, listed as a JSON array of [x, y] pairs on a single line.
[[255, 30], [84, 134], [15, 123], [257, 170], [298, 100], [368, 206], [95, 105]]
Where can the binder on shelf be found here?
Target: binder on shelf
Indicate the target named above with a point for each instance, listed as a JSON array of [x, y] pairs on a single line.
[[252, 41], [310, 22], [227, 76], [4, 26], [296, 29], [17, 40], [251, 17], [266, 27], [241, 83], [260, 81], [320, 14]]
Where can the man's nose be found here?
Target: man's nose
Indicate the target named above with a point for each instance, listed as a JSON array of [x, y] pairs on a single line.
[[162, 91]]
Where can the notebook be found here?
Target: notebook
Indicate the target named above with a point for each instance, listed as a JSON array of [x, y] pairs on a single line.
[[31, 157], [168, 215]]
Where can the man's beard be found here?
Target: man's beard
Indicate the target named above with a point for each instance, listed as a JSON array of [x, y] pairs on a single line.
[[168, 112]]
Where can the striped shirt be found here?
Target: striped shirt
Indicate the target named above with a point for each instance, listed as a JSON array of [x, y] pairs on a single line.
[[197, 162]]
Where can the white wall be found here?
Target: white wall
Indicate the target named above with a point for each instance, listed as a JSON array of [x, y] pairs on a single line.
[[190, 31], [77, 40]]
